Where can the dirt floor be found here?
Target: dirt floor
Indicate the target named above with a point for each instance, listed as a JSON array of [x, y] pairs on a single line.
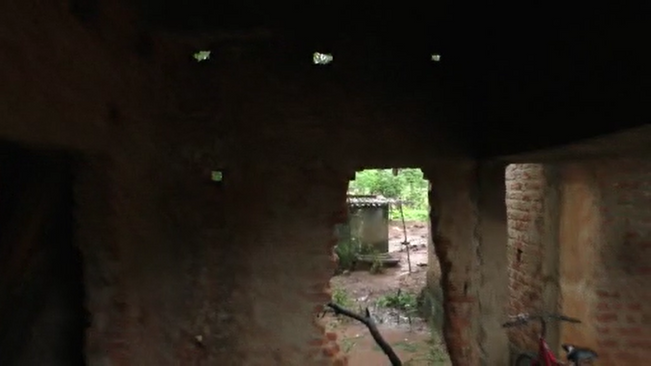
[[410, 336]]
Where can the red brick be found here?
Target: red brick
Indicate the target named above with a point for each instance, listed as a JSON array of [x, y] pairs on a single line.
[[603, 306], [630, 331], [626, 358], [329, 351], [606, 317], [319, 308], [319, 297], [644, 344], [645, 270], [603, 330], [631, 319], [634, 307], [607, 343], [607, 294], [316, 342]]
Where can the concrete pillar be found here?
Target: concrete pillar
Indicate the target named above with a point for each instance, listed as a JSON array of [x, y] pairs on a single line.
[[581, 235], [468, 220], [493, 264], [551, 252], [453, 208]]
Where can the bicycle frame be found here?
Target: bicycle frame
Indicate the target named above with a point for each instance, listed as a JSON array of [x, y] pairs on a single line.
[[545, 355]]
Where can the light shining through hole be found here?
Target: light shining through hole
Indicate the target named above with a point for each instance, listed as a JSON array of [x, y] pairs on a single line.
[[321, 58], [201, 56]]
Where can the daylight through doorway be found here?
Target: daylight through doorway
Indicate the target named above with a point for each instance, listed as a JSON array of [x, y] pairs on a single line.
[[385, 262]]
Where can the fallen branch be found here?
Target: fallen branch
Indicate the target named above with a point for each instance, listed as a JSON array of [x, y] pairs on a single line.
[[404, 230], [370, 324]]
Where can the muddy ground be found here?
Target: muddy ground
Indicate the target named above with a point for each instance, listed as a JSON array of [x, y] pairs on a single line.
[[409, 335]]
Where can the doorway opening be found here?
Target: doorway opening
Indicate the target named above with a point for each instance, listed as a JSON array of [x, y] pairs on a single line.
[[387, 264], [42, 314]]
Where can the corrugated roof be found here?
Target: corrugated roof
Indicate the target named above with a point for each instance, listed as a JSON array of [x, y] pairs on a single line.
[[367, 201]]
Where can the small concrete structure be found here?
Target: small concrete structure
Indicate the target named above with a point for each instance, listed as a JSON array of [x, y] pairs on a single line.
[[368, 220]]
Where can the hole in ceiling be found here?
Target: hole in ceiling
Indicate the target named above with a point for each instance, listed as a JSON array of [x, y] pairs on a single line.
[[201, 55], [216, 175], [321, 58]]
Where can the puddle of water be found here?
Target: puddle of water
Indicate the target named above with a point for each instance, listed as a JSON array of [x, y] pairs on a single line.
[[413, 348], [391, 317]]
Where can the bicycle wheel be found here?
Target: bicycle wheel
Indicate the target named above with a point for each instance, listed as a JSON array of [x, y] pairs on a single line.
[[526, 359]]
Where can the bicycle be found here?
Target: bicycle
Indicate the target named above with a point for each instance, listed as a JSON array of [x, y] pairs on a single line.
[[545, 357]]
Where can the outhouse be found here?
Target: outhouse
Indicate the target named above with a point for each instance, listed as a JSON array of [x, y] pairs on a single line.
[[368, 221]]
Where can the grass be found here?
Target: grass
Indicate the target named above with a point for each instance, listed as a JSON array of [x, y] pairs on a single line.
[[431, 352], [377, 267], [348, 249], [400, 301], [407, 346], [430, 306], [341, 298], [347, 344], [435, 354], [411, 214]]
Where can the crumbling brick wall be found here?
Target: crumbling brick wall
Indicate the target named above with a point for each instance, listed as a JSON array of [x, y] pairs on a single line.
[[621, 314], [524, 202], [468, 221], [178, 270], [603, 253]]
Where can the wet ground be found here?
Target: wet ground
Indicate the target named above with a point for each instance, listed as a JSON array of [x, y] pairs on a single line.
[[408, 334]]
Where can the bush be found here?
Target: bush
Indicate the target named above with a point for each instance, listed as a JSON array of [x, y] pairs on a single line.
[[410, 214], [430, 307], [400, 301], [409, 185], [341, 298], [347, 250]]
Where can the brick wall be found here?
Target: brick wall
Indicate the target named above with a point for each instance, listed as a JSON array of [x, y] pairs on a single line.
[[622, 310], [287, 243], [525, 212], [177, 270], [603, 239], [468, 223]]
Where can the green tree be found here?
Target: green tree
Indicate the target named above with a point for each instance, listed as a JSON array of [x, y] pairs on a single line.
[[408, 185]]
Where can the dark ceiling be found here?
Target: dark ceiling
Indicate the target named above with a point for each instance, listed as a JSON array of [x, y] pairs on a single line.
[[517, 76]]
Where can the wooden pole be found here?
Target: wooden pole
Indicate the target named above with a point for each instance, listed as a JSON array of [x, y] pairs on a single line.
[[404, 231]]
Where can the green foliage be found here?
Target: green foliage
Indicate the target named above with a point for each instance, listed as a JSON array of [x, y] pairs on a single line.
[[400, 301], [410, 214], [430, 306], [435, 353], [409, 185], [377, 267], [201, 55], [347, 250], [349, 247], [347, 344], [341, 298]]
